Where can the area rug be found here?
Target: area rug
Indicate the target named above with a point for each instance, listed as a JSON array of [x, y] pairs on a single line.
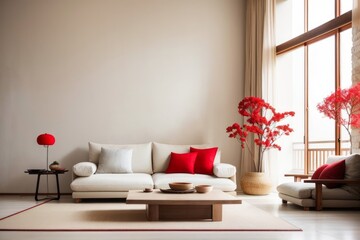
[[55, 216]]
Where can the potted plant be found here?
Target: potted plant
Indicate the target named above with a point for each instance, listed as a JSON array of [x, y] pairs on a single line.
[[344, 107], [262, 121]]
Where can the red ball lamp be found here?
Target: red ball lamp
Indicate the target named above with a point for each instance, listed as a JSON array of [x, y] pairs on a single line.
[[46, 140]]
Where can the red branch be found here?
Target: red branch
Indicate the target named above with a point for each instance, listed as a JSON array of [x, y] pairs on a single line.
[[344, 107], [262, 120]]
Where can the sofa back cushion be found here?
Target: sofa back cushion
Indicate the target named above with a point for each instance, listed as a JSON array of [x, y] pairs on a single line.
[[352, 165], [335, 158], [162, 152], [141, 155], [352, 170]]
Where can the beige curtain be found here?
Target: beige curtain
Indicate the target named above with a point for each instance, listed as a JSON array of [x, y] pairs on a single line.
[[268, 73], [356, 42], [259, 61]]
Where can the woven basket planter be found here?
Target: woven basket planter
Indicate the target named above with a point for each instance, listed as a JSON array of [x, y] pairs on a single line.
[[255, 183]]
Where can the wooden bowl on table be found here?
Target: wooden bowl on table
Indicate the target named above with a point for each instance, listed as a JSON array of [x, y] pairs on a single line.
[[181, 186], [203, 188]]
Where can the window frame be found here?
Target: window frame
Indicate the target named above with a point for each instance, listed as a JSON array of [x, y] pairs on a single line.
[[331, 28]]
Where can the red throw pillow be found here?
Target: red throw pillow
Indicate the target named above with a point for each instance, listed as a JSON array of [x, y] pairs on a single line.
[[181, 163], [318, 171], [334, 170], [204, 163]]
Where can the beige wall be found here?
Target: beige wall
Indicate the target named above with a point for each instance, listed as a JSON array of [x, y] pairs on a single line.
[[115, 71]]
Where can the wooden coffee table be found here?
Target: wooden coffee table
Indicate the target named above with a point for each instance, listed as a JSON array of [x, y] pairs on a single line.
[[186, 206]]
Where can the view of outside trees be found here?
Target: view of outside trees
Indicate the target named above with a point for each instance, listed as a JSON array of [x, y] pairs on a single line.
[[291, 90]]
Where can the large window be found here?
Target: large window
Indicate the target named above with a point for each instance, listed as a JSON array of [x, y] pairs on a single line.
[[313, 60]]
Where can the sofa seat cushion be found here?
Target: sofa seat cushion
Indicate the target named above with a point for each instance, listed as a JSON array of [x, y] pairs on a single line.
[[112, 182], [162, 180], [307, 190], [296, 189]]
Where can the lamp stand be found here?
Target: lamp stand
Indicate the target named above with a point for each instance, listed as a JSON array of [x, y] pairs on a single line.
[[47, 157], [47, 168]]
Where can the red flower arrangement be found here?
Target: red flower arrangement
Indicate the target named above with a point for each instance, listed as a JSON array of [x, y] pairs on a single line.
[[344, 107], [262, 120]]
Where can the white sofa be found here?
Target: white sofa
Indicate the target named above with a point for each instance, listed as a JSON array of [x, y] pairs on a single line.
[[149, 163]]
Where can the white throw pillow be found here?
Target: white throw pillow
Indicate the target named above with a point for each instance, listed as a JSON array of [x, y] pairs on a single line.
[[84, 169], [115, 160], [224, 170]]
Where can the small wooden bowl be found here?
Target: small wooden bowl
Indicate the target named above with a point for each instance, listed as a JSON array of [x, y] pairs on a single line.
[[56, 168], [147, 190], [181, 186], [203, 188]]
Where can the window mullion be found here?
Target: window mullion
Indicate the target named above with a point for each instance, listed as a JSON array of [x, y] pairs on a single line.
[[306, 113], [306, 97], [337, 86]]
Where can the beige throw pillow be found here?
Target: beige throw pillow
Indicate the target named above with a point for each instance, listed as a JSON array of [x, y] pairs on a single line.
[[117, 160]]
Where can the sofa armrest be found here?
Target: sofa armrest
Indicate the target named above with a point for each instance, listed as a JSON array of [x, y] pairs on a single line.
[[224, 170], [84, 169], [320, 182], [339, 181], [298, 176]]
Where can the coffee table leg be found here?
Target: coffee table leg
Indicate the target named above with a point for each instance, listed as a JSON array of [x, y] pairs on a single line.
[[152, 212], [217, 212]]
